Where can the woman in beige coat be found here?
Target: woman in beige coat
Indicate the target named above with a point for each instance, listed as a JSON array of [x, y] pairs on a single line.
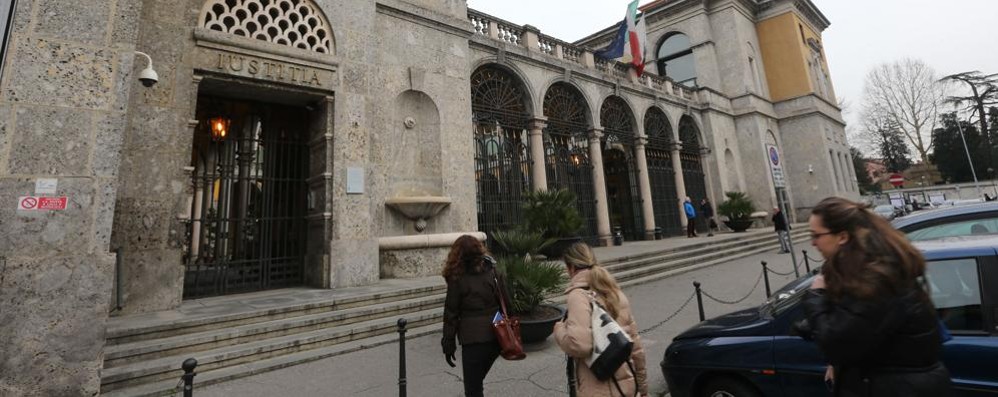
[[574, 334]]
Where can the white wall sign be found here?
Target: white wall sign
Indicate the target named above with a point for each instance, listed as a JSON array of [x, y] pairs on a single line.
[[776, 166], [45, 186], [355, 180]]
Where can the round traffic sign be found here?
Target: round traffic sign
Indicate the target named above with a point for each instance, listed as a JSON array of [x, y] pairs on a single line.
[[897, 179], [774, 156]]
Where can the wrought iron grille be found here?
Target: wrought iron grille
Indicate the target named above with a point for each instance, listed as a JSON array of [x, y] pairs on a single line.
[[566, 148], [693, 174], [661, 174], [502, 155], [620, 170], [247, 230]]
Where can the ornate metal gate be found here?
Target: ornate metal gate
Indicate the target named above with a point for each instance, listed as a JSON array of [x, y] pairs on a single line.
[[247, 229], [619, 168], [661, 174], [566, 147], [502, 157], [693, 175]]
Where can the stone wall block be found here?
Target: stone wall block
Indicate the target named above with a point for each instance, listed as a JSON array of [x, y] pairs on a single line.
[[78, 21], [59, 345], [6, 131], [153, 173], [107, 146], [49, 140], [412, 263], [353, 262], [152, 280], [140, 224], [104, 218], [60, 74], [22, 16], [126, 21], [46, 233], [158, 128]]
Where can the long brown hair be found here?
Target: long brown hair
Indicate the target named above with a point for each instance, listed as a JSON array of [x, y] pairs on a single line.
[[465, 254], [876, 260], [581, 257]]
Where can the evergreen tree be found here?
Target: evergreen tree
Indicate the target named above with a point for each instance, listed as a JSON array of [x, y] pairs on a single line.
[[866, 185], [951, 157], [893, 148]]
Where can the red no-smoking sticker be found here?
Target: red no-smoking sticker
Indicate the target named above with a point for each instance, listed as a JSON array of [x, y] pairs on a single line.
[[27, 203], [33, 203]]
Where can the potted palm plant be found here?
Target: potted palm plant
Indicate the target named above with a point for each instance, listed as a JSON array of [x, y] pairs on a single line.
[[553, 215], [529, 282], [738, 208]]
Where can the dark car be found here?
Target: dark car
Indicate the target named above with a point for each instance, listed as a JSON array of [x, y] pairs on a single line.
[[950, 222], [751, 353]]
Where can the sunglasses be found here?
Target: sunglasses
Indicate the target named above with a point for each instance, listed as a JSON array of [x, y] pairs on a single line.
[[815, 236]]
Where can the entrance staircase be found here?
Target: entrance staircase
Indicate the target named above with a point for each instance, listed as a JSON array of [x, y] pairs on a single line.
[[243, 335]]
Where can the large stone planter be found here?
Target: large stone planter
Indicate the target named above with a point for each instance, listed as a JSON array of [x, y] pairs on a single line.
[[535, 330], [738, 225]]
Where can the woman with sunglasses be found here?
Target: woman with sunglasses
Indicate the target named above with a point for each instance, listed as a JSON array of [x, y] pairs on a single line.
[[868, 310]]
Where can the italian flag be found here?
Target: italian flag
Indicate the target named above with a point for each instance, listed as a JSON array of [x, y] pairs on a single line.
[[629, 44]]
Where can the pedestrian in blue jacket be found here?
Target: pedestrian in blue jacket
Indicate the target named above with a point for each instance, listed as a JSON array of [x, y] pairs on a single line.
[[691, 215]]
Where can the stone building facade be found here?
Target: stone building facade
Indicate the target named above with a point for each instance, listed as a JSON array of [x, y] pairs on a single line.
[[333, 143]]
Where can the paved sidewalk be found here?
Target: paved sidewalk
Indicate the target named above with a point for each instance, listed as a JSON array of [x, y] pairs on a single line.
[[374, 372]]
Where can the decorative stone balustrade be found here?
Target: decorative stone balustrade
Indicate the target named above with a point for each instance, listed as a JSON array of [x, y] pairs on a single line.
[[530, 38]]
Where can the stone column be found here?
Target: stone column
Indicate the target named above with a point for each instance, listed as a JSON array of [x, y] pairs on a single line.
[[538, 171], [599, 185], [56, 269], [644, 185], [677, 165]]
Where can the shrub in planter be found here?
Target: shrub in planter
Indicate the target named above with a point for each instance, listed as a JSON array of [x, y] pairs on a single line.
[[738, 208], [529, 282], [554, 216]]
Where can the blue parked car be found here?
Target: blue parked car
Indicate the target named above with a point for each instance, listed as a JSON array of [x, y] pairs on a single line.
[[750, 353]]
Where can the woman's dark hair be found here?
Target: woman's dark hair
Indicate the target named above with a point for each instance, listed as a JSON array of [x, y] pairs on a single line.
[[465, 255], [876, 261]]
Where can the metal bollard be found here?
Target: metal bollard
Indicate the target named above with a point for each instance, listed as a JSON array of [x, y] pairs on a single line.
[[696, 284], [765, 276], [402, 381], [658, 233], [188, 377], [807, 262], [618, 236]]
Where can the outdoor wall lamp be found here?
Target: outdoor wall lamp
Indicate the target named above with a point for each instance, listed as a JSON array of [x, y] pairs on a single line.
[[219, 127], [148, 77], [810, 169]]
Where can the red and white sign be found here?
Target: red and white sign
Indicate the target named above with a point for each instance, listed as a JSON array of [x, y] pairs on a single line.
[[34, 203], [897, 180]]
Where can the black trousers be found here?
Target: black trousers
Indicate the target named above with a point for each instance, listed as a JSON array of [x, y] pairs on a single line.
[[476, 361], [691, 227]]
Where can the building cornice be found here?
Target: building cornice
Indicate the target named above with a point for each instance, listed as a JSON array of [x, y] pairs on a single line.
[[813, 15]]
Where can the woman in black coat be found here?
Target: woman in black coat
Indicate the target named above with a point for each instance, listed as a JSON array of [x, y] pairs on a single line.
[[471, 303], [868, 311]]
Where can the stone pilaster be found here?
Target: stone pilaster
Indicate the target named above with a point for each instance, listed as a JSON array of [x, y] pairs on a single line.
[[599, 185], [538, 172], [644, 186], [677, 165]]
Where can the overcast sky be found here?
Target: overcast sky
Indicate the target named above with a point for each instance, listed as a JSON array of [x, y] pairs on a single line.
[[951, 36]]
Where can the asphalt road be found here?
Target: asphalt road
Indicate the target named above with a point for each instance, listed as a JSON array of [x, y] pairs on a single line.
[[374, 372]]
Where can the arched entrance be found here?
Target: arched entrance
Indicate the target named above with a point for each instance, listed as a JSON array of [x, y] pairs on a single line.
[[661, 174], [619, 168], [502, 157], [566, 147], [693, 175]]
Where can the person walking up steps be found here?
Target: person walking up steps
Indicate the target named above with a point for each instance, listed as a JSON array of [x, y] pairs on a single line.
[[691, 218]]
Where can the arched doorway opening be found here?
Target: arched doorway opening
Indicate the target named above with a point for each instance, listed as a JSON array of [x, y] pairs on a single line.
[[566, 148], [691, 156], [661, 173], [502, 157], [619, 168]]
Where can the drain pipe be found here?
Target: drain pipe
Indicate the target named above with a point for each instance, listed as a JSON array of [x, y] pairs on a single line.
[[118, 294]]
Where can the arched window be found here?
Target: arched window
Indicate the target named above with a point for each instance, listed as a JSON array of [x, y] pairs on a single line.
[[675, 59]]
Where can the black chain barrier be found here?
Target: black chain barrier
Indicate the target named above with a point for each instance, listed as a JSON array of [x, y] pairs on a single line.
[[779, 273], [671, 316], [737, 301]]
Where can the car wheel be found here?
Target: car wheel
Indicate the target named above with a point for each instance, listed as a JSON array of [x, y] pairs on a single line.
[[728, 387]]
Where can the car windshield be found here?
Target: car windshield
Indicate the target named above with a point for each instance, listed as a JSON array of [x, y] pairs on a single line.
[[965, 227]]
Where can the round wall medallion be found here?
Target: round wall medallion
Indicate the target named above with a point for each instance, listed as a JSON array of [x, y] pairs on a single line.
[[409, 122]]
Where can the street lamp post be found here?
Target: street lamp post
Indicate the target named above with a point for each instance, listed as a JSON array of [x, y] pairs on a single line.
[[966, 150]]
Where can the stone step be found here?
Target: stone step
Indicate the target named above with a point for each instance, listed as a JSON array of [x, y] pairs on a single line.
[[127, 353], [169, 386], [166, 367], [161, 326], [150, 367]]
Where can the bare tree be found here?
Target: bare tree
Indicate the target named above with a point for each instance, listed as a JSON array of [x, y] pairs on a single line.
[[908, 94]]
